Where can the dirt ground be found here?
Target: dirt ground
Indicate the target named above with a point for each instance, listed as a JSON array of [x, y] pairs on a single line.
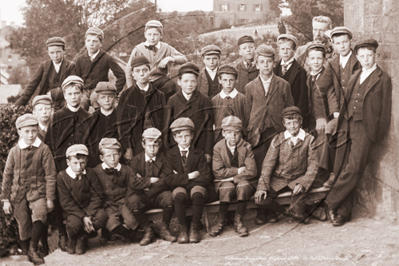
[[363, 241]]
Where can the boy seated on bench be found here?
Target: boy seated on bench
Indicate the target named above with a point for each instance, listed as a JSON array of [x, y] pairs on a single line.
[[290, 164], [235, 172]]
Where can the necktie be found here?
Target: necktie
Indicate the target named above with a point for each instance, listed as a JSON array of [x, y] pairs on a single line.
[[248, 64], [111, 171], [228, 97], [285, 68], [80, 176], [30, 147], [184, 158], [148, 169], [151, 48]]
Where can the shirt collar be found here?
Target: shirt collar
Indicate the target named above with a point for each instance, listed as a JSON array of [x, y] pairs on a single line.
[[73, 109], [57, 66], [145, 88], [72, 174], [158, 45], [231, 148], [22, 144], [266, 81], [317, 73], [105, 166], [44, 128], [181, 149], [301, 135], [232, 94], [186, 95], [106, 113], [95, 55], [147, 158], [369, 71], [289, 62], [344, 59]]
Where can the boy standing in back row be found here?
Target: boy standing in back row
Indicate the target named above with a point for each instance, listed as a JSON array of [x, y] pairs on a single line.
[[208, 83]]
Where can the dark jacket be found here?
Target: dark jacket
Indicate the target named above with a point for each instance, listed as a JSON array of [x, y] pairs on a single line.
[[203, 84], [39, 82], [245, 75]]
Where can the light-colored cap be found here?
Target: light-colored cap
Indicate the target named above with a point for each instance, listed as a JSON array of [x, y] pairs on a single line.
[[77, 149], [42, 99], [231, 123], [152, 133], [183, 123], [95, 31], [26, 120], [72, 80], [109, 143]]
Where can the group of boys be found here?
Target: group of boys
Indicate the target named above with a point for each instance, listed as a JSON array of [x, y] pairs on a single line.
[[225, 132]]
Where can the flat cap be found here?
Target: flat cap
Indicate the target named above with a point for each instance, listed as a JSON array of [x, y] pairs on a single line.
[[95, 31], [226, 69], [244, 39], [366, 43], [109, 143], [105, 87], [210, 50], [292, 110], [288, 37], [77, 149], [72, 80], [265, 50], [231, 123], [317, 46], [341, 30], [42, 99], [183, 123], [26, 120], [152, 133], [154, 24], [55, 41], [139, 61], [189, 68]]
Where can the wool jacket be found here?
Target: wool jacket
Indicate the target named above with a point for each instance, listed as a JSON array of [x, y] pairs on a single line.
[[245, 75], [203, 85]]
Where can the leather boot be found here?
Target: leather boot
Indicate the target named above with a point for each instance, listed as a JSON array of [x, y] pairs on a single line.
[[43, 250], [298, 217], [81, 243], [260, 217], [62, 243], [25, 246], [218, 227], [71, 247], [33, 255], [330, 182], [148, 236], [165, 234], [239, 225], [183, 237], [195, 236]]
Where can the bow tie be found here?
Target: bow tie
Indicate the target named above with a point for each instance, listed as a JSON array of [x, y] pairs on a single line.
[[151, 47], [111, 171], [80, 176]]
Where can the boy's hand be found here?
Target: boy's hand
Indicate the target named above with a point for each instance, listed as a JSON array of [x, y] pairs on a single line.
[[88, 224], [50, 205], [7, 208], [165, 61], [259, 194], [321, 124], [154, 180], [129, 154], [298, 188], [193, 175], [208, 158], [241, 170]]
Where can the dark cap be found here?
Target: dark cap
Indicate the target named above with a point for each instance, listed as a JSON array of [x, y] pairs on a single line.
[[139, 61], [105, 87], [244, 39], [210, 50], [292, 110], [55, 41], [341, 30], [317, 46], [226, 69], [189, 68], [366, 43]]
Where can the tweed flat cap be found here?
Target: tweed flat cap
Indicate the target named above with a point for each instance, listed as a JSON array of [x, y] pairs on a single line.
[[317, 46], [154, 24], [189, 68], [42, 99], [183, 123], [288, 37], [72, 80], [139, 61], [152, 133], [231, 123], [226, 69], [26, 120], [265, 50], [95, 31], [341, 30], [105, 87], [77, 149], [55, 41], [366, 43], [210, 50], [292, 110], [244, 39], [109, 143]]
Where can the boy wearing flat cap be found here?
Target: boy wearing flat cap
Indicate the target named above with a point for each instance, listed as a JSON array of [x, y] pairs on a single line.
[[93, 66], [208, 83], [290, 165], [101, 123], [234, 169], [50, 74], [189, 102], [161, 57], [80, 196], [290, 70], [42, 110], [148, 189], [140, 107], [246, 65], [28, 188], [365, 118], [114, 179], [229, 102], [190, 180]]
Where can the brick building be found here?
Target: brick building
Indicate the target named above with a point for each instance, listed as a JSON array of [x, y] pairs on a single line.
[[238, 12]]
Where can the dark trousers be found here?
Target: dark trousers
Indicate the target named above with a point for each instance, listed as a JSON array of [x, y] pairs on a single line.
[[75, 226], [261, 149], [354, 154]]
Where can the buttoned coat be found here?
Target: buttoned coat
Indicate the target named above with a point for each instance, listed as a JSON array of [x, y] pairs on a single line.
[[203, 85], [245, 75]]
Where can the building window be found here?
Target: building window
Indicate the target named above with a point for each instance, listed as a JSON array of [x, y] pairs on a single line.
[[9, 68], [224, 7], [258, 7], [241, 7]]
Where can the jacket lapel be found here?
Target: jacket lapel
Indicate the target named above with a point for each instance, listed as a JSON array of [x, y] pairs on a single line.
[[272, 89], [374, 78], [259, 88], [158, 164], [335, 64], [353, 62], [351, 84], [294, 71]]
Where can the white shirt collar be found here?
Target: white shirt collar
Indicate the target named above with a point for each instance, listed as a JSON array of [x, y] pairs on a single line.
[[95, 55], [73, 109], [57, 66], [158, 45], [212, 73], [231, 148], [266, 81], [232, 94], [367, 72], [288, 63], [187, 150], [72, 174], [301, 135], [106, 113], [317, 74], [22, 144], [145, 88], [147, 158], [186, 95], [105, 166], [44, 128], [344, 59]]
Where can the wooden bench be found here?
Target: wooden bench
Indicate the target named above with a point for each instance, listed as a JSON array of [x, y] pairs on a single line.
[[213, 207]]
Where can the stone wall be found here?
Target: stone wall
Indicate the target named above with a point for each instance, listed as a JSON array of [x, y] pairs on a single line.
[[378, 192]]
